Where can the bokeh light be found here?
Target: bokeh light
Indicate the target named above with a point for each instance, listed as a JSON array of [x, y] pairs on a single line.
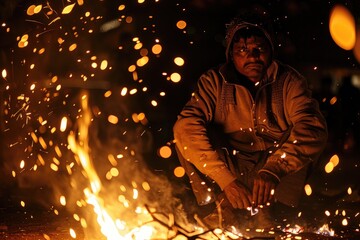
[[165, 152], [342, 27], [156, 49], [175, 77], [179, 172], [179, 61], [181, 24]]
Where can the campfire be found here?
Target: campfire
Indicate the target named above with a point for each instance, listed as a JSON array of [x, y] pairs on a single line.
[[88, 138]]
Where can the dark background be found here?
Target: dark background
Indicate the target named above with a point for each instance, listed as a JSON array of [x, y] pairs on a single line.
[[302, 40]]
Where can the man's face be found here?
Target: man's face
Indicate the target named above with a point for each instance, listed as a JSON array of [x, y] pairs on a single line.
[[251, 57]]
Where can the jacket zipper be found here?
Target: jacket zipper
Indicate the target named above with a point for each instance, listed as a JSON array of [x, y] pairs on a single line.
[[254, 105], [253, 108], [254, 112]]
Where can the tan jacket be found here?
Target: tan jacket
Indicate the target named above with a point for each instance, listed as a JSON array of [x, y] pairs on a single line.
[[283, 119]]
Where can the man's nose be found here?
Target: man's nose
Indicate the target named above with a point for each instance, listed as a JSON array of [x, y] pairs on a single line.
[[254, 53]]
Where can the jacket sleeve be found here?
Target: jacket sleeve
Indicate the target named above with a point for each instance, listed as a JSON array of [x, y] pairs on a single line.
[[308, 135], [190, 130]]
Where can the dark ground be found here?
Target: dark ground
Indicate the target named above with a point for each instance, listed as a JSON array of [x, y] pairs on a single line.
[[36, 222]]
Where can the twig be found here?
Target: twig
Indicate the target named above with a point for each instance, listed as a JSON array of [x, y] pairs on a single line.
[[177, 228], [194, 235]]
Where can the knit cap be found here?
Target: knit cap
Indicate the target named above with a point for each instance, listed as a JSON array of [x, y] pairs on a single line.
[[238, 24]]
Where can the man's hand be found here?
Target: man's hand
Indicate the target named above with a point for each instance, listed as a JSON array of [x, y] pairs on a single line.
[[264, 187], [238, 195]]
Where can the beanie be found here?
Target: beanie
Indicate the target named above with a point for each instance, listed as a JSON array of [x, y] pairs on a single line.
[[235, 26]]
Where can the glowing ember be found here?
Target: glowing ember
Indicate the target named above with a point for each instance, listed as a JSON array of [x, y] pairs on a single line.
[[72, 233], [4, 73], [68, 9], [175, 77], [165, 151], [325, 230], [179, 172], [334, 161], [156, 49], [181, 24], [63, 124], [308, 189], [294, 230], [179, 61]]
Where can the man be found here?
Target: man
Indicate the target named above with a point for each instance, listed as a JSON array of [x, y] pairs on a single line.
[[251, 127]]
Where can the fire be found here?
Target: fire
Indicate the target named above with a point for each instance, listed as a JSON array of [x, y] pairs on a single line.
[[81, 149], [109, 228], [149, 224]]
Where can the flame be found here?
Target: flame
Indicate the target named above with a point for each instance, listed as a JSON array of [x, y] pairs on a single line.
[[81, 148], [109, 228]]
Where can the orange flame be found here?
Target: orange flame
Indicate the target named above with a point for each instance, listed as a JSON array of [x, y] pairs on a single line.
[[80, 147]]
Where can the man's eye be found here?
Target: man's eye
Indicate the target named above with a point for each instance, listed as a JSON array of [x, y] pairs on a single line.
[[260, 49], [242, 50]]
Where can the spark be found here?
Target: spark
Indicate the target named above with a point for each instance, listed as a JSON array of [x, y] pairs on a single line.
[[4, 73], [63, 124], [156, 49], [181, 24], [154, 103], [308, 189], [179, 172], [113, 119], [165, 152], [72, 233], [68, 9], [62, 200], [175, 77], [133, 91], [179, 61]]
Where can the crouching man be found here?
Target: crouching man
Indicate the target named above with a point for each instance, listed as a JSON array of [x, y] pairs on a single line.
[[251, 130]]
